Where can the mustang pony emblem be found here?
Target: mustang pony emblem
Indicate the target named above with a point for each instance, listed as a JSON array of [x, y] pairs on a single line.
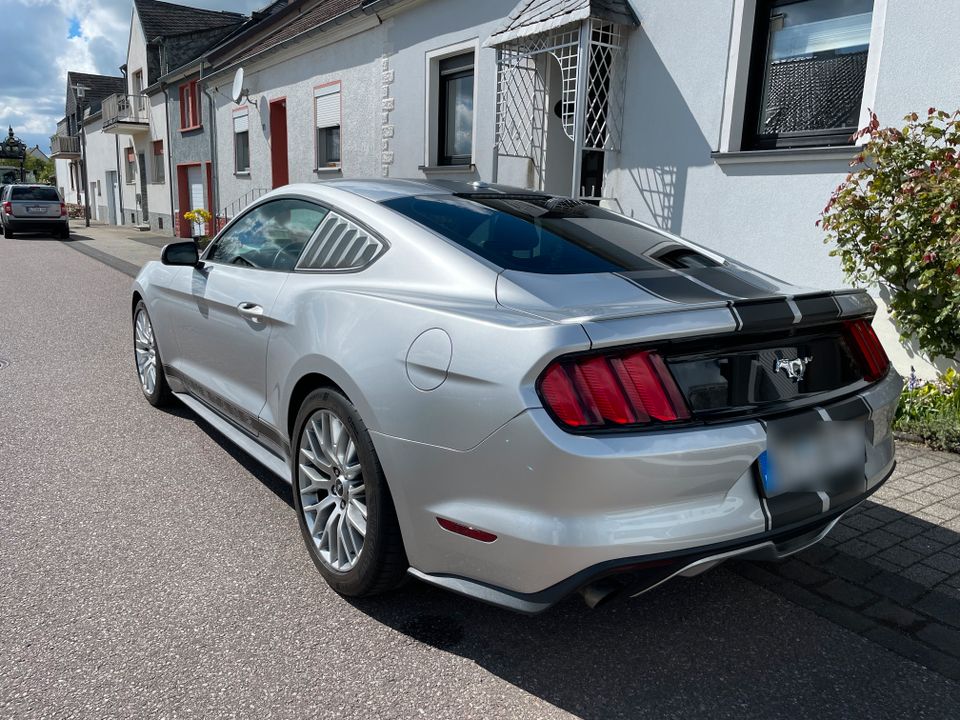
[[794, 368]]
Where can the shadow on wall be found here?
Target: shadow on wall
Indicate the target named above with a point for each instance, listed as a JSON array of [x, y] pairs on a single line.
[[662, 140]]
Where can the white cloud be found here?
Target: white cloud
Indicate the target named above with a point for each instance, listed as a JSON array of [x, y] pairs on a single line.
[[37, 51]]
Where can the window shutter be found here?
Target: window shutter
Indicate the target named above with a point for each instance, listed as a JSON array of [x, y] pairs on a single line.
[[328, 107], [241, 123]]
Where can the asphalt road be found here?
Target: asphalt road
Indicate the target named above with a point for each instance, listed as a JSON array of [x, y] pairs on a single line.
[[149, 570]]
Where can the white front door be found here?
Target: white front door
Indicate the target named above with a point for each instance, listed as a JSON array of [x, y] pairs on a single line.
[[195, 183]]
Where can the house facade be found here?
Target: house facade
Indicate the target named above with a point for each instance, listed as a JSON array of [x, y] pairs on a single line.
[[84, 96], [727, 122]]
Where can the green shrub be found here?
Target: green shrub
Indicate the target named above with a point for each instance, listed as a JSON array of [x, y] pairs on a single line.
[[895, 223], [931, 411]]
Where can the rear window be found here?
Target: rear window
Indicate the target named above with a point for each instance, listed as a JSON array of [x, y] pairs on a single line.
[[541, 234], [34, 193]]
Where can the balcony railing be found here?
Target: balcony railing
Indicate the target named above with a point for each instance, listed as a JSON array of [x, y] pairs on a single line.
[[64, 145], [125, 112]]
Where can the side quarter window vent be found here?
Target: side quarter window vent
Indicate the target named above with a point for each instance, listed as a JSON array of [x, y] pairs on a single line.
[[340, 244]]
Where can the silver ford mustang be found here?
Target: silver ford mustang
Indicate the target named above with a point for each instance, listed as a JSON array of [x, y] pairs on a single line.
[[517, 396]]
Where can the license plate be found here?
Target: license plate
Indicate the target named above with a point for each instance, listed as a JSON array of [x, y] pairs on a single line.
[[826, 457], [36, 209]]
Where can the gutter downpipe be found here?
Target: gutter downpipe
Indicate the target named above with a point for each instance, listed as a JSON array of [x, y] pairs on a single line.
[[166, 113], [214, 167]]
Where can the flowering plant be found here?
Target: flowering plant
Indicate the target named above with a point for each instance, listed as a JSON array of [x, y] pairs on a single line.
[[895, 223], [198, 216]]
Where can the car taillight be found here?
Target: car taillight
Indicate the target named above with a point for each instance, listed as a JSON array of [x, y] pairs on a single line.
[[63, 209], [866, 346], [8, 208], [609, 391]]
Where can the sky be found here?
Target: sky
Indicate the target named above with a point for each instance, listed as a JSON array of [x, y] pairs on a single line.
[[42, 39]]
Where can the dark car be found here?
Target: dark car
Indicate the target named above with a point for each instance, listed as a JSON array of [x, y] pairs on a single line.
[[33, 209]]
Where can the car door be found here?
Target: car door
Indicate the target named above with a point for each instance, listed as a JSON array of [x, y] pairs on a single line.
[[223, 312]]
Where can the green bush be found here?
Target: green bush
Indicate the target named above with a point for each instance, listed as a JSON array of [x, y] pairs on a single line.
[[931, 411], [895, 223]]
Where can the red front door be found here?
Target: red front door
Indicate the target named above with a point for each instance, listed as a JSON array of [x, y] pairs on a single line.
[[278, 142]]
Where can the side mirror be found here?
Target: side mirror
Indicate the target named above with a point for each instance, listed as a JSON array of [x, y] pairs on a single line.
[[180, 253]]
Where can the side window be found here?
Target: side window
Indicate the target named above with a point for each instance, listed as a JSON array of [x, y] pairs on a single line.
[[269, 237], [340, 245]]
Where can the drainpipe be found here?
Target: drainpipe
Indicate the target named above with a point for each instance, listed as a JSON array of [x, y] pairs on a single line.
[[166, 113], [116, 141], [214, 168], [161, 41], [83, 169], [495, 160]]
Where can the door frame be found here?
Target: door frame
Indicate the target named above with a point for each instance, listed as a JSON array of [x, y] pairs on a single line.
[[182, 226], [279, 155]]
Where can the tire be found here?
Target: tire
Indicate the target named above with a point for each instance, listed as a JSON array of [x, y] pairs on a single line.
[[64, 234], [154, 387], [7, 233], [380, 564]]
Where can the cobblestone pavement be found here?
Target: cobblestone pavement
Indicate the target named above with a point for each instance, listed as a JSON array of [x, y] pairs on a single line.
[[890, 570]]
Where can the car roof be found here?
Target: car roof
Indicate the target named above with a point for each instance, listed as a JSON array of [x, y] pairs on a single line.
[[381, 189]]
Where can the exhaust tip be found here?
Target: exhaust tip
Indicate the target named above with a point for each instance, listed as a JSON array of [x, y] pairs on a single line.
[[602, 591]]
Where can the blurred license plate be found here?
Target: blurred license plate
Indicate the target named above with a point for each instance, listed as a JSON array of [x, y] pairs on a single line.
[[36, 209], [826, 457]]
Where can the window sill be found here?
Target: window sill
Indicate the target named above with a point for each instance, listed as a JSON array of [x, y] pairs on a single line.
[[841, 152], [191, 128], [328, 170], [242, 173], [447, 168]]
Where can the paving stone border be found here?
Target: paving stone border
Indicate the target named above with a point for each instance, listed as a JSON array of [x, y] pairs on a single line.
[[890, 570]]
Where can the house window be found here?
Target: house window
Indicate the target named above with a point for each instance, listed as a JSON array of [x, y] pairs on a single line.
[[241, 142], [131, 166], [327, 110], [807, 71], [73, 170], [158, 176], [455, 110], [189, 106]]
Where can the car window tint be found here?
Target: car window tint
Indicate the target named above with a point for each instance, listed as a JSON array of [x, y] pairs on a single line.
[[269, 237], [340, 245], [537, 234], [47, 194]]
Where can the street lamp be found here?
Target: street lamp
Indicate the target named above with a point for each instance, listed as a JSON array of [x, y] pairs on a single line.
[[80, 91]]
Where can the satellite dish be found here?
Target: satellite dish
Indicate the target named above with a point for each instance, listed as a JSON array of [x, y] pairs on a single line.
[[238, 91]]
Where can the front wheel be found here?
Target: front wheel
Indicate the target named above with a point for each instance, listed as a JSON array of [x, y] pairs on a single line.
[[343, 505], [153, 382]]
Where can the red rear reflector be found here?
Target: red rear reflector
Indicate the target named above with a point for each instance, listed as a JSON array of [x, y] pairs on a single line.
[[866, 345], [8, 208], [63, 209], [612, 391], [466, 530]]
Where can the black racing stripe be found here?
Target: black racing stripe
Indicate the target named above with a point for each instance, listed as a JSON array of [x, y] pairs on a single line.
[[855, 408], [758, 316], [793, 507], [673, 286], [818, 309], [738, 286]]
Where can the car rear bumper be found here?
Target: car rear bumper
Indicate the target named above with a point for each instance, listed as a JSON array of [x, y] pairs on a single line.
[[36, 224], [567, 508]]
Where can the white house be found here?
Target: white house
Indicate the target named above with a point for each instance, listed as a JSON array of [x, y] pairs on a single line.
[[726, 122]]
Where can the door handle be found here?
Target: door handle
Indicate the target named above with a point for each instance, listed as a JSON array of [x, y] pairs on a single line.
[[251, 311]]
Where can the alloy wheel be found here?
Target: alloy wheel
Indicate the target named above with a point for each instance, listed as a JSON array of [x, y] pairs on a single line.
[[145, 347], [332, 491]]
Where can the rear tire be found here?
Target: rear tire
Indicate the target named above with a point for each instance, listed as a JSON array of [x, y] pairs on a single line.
[[7, 233], [146, 355], [344, 507], [64, 234]]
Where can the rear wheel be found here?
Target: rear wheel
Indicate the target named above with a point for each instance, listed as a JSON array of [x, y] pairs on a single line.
[[344, 507], [153, 382], [64, 233], [7, 233]]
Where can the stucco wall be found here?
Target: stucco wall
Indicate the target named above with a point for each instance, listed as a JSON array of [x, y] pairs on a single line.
[[354, 62]]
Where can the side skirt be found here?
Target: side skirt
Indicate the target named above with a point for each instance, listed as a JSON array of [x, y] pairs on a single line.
[[246, 443]]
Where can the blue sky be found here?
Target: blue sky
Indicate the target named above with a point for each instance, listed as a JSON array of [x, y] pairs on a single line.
[[43, 39]]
